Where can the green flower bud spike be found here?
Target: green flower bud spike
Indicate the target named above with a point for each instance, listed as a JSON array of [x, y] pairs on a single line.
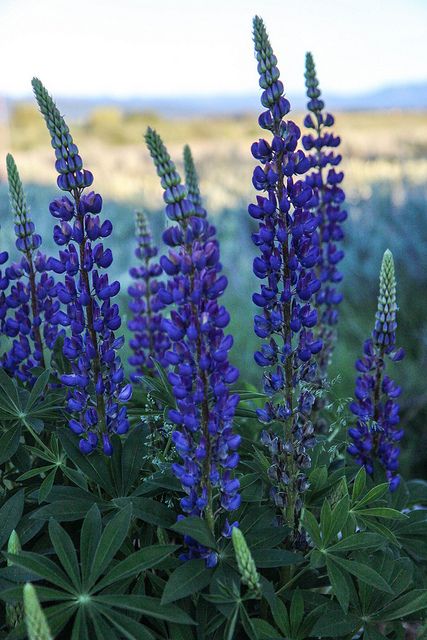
[[192, 182], [245, 562], [35, 620], [385, 317], [14, 612]]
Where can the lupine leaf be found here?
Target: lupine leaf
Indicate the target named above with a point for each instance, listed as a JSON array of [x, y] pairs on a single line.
[[361, 540], [141, 560], [147, 606], [403, 606], [153, 512], [110, 542], [94, 466], [364, 573], [10, 515], [268, 558], [9, 442], [64, 549], [42, 566], [46, 485], [339, 584], [132, 454], [89, 539], [129, 628], [197, 528], [188, 578]]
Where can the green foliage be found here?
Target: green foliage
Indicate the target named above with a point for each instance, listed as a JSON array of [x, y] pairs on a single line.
[[35, 621]]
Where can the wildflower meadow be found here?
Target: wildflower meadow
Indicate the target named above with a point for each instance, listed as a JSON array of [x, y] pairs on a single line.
[[153, 485]]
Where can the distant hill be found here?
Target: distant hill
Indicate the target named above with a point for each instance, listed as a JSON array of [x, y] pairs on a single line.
[[405, 96]]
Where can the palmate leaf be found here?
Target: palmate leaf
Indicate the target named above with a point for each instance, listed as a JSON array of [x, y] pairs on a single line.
[[128, 627], [9, 443], [10, 515], [190, 577], [147, 606], [110, 542], [64, 549], [141, 560]]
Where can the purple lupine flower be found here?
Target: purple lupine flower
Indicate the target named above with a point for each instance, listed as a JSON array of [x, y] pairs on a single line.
[[327, 203], [31, 297], [4, 283], [200, 373], [97, 388], [377, 433], [149, 341], [288, 256]]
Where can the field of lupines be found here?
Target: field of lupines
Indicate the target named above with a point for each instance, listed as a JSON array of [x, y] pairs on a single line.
[[174, 496]]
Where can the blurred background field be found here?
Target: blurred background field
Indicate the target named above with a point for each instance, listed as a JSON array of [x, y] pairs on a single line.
[[385, 164]]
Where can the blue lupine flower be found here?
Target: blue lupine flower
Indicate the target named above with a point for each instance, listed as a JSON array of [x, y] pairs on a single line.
[[377, 433], [200, 373], [97, 388], [327, 203], [289, 254], [149, 341], [29, 299]]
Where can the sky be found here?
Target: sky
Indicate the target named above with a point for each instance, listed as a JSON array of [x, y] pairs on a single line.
[[124, 48]]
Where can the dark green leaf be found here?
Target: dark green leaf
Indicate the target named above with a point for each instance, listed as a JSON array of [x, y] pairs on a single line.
[[153, 512], [147, 606], [268, 558], [141, 560], [64, 549], [89, 538], [191, 577], [10, 515], [9, 442], [405, 605], [111, 540], [197, 529], [43, 567], [364, 573], [339, 584]]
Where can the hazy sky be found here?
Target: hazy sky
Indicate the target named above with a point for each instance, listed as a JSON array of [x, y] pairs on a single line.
[[181, 47]]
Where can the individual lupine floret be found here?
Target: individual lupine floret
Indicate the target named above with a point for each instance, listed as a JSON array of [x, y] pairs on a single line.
[[35, 620], [377, 433], [149, 341], [200, 373], [245, 561], [97, 388], [327, 203], [289, 254], [31, 298]]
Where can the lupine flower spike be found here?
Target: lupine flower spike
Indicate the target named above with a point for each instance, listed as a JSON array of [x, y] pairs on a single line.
[[200, 373], [328, 198], [14, 612], [86, 291], [289, 255], [149, 341], [245, 562], [35, 620], [32, 296], [377, 433]]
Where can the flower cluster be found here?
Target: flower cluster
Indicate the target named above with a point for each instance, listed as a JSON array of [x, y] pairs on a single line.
[[289, 255], [377, 434], [328, 198], [200, 373], [149, 341], [29, 306], [96, 386]]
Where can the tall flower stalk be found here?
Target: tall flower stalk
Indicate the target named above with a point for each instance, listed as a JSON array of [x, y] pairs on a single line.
[[327, 204], [97, 389], [289, 254], [200, 373], [149, 341], [377, 434], [32, 295]]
